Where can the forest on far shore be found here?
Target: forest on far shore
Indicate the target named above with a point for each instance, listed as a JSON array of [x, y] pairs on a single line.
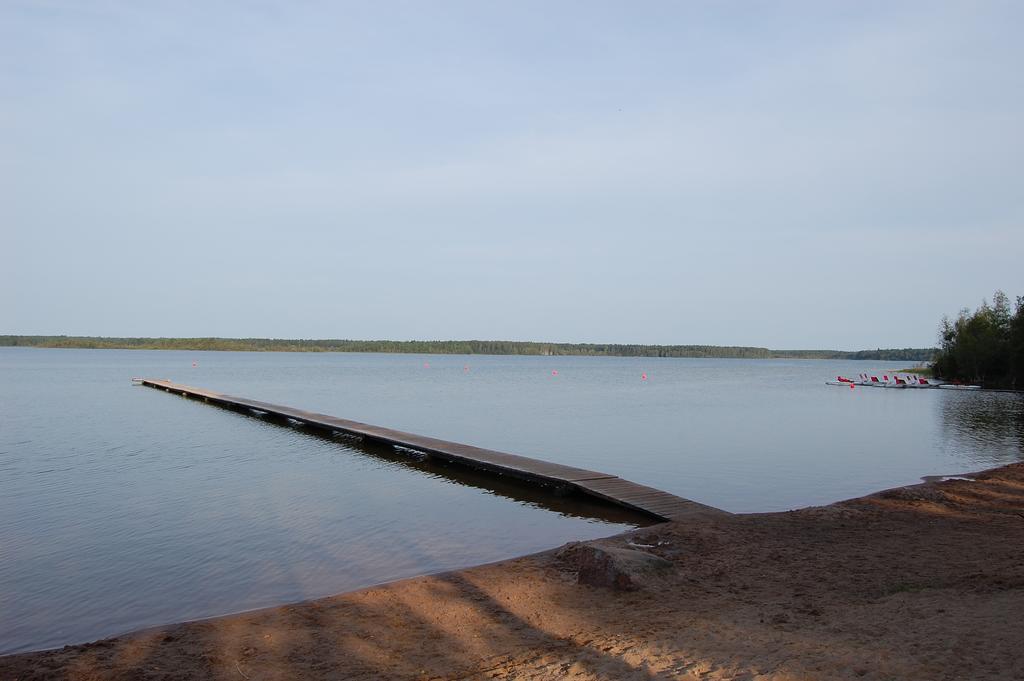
[[464, 347]]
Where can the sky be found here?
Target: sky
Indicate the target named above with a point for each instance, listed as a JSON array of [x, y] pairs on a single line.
[[781, 174]]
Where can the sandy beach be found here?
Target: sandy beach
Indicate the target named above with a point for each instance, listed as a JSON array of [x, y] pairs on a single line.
[[919, 582]]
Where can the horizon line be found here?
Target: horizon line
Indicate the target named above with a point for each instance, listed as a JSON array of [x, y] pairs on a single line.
[[604, 344]]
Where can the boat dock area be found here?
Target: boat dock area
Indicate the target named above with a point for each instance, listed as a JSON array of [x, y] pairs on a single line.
[[609, 488], [897, 381]]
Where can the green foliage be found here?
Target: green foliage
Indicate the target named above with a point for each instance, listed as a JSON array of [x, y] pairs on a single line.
[[1016, 345], [888, 355], [985, 346], [467, 347]]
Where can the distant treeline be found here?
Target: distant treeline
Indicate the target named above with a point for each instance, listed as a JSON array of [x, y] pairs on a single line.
[[468, 347], [985, 346]]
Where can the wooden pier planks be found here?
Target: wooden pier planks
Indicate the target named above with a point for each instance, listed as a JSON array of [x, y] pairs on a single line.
[[610, 488]]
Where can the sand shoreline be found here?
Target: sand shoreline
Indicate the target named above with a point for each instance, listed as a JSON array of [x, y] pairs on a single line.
[[917, 582]]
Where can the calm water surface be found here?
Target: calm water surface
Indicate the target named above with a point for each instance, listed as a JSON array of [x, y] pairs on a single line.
[[123, 507]]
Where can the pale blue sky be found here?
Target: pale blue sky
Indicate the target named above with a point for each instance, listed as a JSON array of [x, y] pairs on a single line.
[[801, 174]]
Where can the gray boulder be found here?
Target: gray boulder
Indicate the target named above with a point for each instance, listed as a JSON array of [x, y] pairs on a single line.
[[611, 567]]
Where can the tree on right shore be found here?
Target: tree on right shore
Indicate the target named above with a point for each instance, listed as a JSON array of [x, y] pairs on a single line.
[[985, 346]]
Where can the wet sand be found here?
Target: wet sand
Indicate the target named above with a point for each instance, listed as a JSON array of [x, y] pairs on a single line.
[[920, 582]]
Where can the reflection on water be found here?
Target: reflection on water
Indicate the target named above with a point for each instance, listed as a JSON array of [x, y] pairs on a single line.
[[568, 503], [988, 427]]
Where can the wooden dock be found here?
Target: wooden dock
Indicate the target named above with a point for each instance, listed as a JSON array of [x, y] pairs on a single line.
[[603, 486]]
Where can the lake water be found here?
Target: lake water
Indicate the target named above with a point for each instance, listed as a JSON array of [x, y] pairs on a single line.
[[123, 507]]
